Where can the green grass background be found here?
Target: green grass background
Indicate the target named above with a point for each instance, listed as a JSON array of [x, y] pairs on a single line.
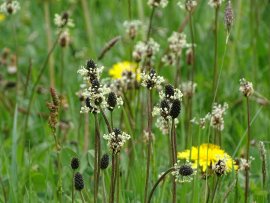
[[34, 178]]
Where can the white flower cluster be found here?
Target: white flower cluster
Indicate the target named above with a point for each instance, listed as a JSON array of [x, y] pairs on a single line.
[[158, 3], [94, 93], [177, 94], [145, 49], [246, 87], [177, 42], [132, 27], [244, 164], [188, 88], [201, 121], [151, 80], [10, 7], [96, 99], [64, 38], [183, 173], [169, 59], [216, 120], [163, 124], [215, 3], [189, 5], [63, 20], [116, 140], [90, 71]]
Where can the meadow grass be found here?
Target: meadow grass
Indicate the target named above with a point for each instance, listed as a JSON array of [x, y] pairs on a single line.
[[36, 168]]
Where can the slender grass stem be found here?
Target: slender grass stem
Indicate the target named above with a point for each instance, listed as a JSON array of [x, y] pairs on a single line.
[[112, 189], [29, 71], [106, 121], [173, 143], [82, 198], [111, 119], [247, 152], [178, 72], [150, 23], [149, 144], [215, 51], [157, 183], [117, 180], [62, 59], [215, 189], [88, 23], [192, 75], [41, 72], [104, 189], [97, 158], [85, 132], [72, 186], [49, 41], [4, 191]]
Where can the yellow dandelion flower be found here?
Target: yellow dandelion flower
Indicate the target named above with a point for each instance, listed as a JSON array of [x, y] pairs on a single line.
[[207, 155], [118, 69], [2, 17]]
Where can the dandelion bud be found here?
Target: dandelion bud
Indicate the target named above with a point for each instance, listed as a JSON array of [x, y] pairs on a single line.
[[175, 109], [169, 91], [111, 100], [75, 163], [228, 15], [104, 162], [185, 170], [78, 181]]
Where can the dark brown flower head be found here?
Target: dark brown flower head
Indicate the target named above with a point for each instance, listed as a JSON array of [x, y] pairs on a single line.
[[169, 91], [175, 108], [104, 161], [91, 64], [117, 131], [78, 181], [164, 106], [88, 104], [185, 170], [75, 163], [111, 101], [95, 84]]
